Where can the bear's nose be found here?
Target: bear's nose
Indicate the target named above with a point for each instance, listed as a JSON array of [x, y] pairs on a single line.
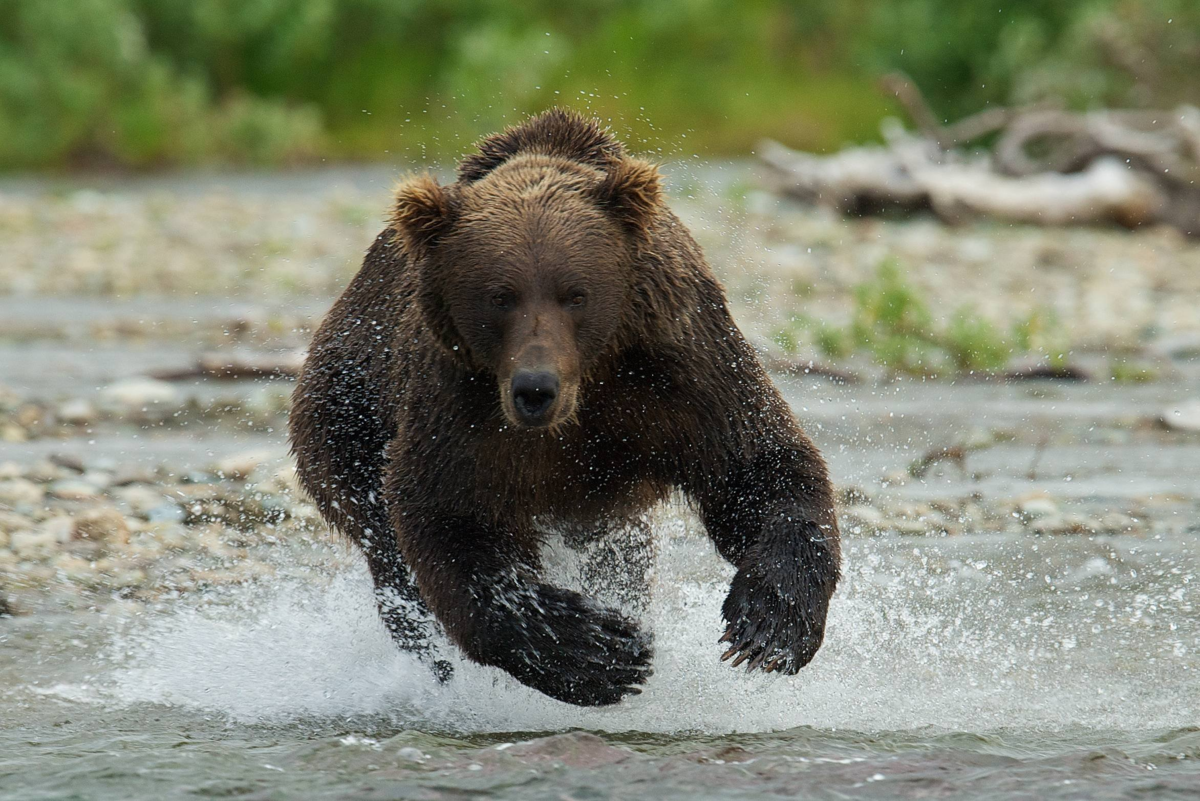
[[533, 393]]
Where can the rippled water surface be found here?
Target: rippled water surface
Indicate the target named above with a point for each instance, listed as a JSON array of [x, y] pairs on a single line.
[[988, 666]]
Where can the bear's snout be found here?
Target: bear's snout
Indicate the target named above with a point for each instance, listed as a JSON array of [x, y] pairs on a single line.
[[533, 395]]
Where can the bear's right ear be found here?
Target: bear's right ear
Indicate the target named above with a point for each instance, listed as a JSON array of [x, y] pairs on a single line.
[[422, 212]]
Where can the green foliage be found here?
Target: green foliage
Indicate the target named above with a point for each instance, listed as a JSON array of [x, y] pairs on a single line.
[[1041, 333], [892, 322], [150, 82], [974, 344], [79, 83], [1125, 371], [833, 342]]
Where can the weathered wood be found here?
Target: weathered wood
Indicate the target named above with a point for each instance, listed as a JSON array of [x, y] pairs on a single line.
[[232, 366], [1048, 166]]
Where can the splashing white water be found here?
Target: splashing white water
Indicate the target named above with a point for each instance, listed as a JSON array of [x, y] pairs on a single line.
[[971, 634]]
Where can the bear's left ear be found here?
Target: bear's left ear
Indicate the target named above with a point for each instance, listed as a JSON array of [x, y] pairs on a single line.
[[422, 212], [632, 192]]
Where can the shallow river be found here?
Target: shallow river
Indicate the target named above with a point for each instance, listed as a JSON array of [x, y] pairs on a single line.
[[988, 666]]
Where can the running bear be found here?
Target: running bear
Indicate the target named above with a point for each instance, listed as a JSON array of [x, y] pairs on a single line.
[[542, 344]]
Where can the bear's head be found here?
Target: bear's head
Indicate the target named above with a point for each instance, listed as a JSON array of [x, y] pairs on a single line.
[[527, 266]]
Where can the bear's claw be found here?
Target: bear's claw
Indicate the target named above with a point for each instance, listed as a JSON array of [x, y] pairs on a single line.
[[770, 633], [777, 603]]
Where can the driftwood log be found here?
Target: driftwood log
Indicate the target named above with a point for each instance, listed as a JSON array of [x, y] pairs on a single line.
[[1045, 165], [233, 366]]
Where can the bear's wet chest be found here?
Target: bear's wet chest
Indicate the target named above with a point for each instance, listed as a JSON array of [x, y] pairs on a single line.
[[578, 476]]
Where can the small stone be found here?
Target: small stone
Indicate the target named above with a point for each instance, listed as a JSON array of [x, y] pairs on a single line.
[[45, 470], [411, 754], [138, 499], [908, 527], [98, 479], [241, 465], [171, 536], [9, 470], [33, 544], [11, 432], [125, 476], [74, 490], [861, 519], [166, 513], [11, 521], [60, 526], [140, 397], [102, 524], [1037, 507], [68, 460], [1182, 417], [20, 492], [77, 412]]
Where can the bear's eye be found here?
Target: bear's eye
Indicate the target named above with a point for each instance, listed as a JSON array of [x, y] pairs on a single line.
[[502, 300], [577, 299]]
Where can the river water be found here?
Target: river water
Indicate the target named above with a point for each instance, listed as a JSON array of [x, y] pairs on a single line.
[[988, 666], [982, 665]]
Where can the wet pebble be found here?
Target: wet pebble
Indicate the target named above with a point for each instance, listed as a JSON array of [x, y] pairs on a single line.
[[102, 524], [74, 490], [20, 492], [1036, 508], [140, 397], [76, 412], [239, 466], [1182, 417]]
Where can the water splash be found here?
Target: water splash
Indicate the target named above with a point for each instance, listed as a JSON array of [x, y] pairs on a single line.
[[967, 633]]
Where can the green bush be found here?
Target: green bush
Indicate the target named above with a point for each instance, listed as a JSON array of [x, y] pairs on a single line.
[[149, 82], [80, 84]]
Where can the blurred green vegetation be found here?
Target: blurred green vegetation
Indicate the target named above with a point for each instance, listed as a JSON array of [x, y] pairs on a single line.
[[146, 83], [892, 323]]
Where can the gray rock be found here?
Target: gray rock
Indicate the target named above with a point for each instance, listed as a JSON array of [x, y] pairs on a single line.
[[241, 465], [1036, 508], [166, 513], [33, 544], [138, 398], [72, 489], [10, 522], [101, 524], [20, 492], [77, 412], [1182, 417], [138, 500]]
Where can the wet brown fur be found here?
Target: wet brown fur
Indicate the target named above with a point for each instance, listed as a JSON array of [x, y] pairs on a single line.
[[404, 439]]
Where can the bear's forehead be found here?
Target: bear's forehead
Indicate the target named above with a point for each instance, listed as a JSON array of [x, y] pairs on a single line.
[[531, 184], [530, 209]]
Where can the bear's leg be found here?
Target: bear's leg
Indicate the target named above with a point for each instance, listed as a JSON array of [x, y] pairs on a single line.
[[773, 518], [482, 584], [400, 606], [338, 440]]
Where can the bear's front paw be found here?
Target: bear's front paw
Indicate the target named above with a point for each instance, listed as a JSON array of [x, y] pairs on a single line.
[[776, 607], [569, 648]]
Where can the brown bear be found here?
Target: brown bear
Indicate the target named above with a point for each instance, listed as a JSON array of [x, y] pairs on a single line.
[[541, 344]]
